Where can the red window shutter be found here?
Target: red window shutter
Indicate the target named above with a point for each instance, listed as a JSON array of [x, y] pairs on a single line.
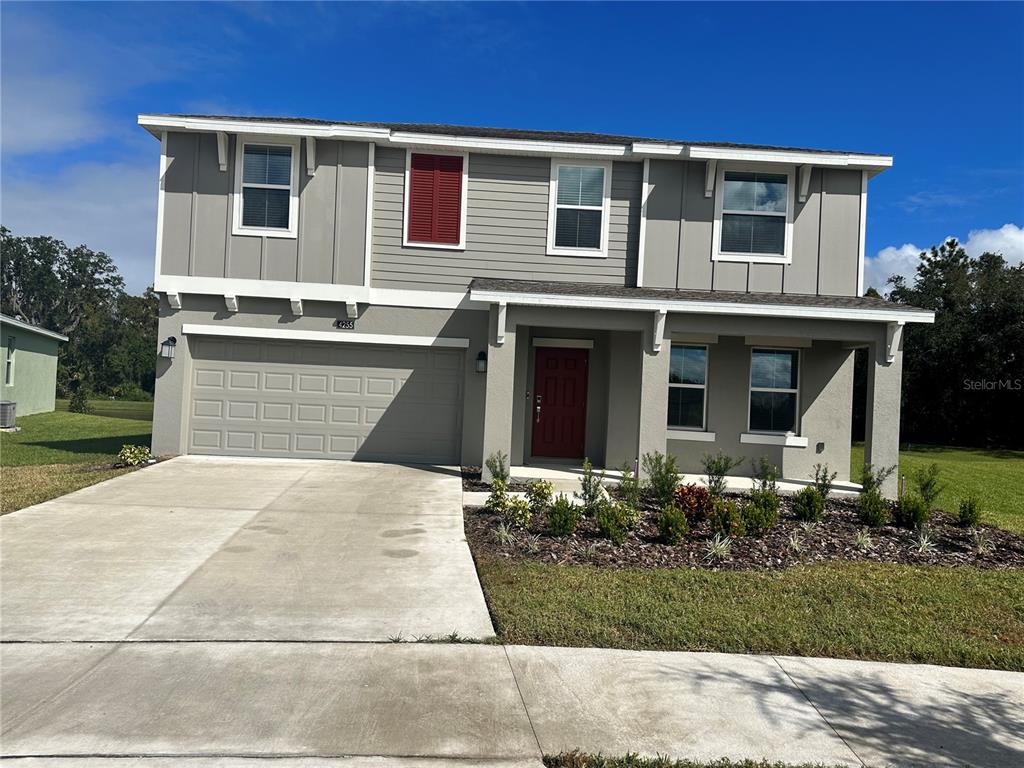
[[435, 199]]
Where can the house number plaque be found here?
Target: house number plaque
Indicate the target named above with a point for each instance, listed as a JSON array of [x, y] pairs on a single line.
[[345, 325]]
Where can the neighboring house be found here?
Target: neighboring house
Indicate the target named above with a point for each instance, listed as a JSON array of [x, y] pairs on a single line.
[[436, 293], [28, 354]]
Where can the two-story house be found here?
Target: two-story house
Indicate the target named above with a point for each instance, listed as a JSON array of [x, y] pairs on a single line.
[[438, 293]]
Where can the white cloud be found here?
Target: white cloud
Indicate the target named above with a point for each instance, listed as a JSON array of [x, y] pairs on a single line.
[[108, 207], [1008, 240]]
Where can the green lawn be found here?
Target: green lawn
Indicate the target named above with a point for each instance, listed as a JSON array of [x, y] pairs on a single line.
[[952, 616], [996, 478], [56, 453]]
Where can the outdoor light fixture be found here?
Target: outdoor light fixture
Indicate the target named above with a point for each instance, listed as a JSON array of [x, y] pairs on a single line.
[[167, 347], [481, 362]]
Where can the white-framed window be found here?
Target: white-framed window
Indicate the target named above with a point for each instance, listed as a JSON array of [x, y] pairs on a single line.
[[436, 197], [579, 200], [754, 214], [12, 345], [774, 390], [687, 387], [266, 187]]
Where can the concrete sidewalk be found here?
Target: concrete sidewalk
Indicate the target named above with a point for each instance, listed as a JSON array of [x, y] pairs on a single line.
[[353, 704]]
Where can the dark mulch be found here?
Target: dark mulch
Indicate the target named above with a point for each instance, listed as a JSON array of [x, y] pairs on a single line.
[[833, 539], [471, 482]]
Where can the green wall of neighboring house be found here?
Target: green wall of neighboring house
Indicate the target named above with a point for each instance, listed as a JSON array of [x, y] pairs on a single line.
[[35, 370]]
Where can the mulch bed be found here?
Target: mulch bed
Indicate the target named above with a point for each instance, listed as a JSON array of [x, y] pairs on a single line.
[[471, 482], [833, 539]]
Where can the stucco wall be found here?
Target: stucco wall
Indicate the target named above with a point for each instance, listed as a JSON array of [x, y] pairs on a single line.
[[35, 370]]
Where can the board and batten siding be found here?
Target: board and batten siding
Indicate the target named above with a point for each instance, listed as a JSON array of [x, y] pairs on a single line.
[[198, 200], [678, 248], [506, 228]]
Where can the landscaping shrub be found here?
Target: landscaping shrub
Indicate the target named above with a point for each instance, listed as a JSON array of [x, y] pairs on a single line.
[[498, 500], [629, 514], [969, 512], [79, 401], [611, 522], [872, 509], [592, 491], [809, 505], [131, 392], [629, 486], [761, 512], [823, 480], [695, 501], [911, 511], [672, 524], [540, 493], [726, 519], [662, 477], [716, 468], [928, 487], [765, 475], [497, 465], [134, 455], [517, 512], [872, 479], [563, 516]]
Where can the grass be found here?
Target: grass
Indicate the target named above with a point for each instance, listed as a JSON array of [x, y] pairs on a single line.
[[952, 616], [995, 477], [582, 760], [59, 452]]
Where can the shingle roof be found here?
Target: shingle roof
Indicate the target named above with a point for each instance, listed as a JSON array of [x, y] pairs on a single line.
[[665, 294], [510, 133]]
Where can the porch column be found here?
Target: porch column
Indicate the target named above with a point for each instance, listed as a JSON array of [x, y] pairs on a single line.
[[882, 425], [654, 397], [501, 360]]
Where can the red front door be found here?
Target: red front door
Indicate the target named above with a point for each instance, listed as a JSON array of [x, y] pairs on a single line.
[[559, 402]]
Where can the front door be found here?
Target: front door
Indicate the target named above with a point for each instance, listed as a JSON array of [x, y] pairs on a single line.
[[559, 402]]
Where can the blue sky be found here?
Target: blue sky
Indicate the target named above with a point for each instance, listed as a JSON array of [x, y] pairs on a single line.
[[939, 86]]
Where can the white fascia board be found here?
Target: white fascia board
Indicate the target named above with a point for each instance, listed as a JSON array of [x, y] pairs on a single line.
[[506, 146], [156, 123], [789, 156], [283, 289], [8, 320], [339, 337], [701, 307], [645, 149]]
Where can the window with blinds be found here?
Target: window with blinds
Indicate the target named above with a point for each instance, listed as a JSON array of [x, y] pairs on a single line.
[[434, 203], [266, 186], [579, 207], [754, 213]]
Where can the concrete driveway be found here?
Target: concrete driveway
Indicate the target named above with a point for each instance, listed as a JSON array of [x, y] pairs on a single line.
[[222, 549]]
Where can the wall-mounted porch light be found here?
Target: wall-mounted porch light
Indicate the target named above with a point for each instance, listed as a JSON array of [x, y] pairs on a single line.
[[481, 362], [167, 347]]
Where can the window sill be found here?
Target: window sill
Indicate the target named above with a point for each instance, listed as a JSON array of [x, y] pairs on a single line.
[[285, 234], [695, 435], [765, 438], [585, 253], [752, 258], [435, 246]]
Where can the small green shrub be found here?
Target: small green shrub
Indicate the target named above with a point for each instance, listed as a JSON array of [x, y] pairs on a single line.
[[863, 541], [79, 401], [823, 480], [517, 512], [925, 543], [540, 493], [872, 479], [928, 486], [761, 512], [661, 477], [765, 475], [592, 491], [981, 541], [809, 505], [672, 524], [716, 468], [911, 511], [563, 516], [695, 501], [134, 455], [726, 519], [719, 547], [611, 522], [969, 512], [131, 392], [497, 465], [504, 536], [497, 501], [629, 486], [872, 509]]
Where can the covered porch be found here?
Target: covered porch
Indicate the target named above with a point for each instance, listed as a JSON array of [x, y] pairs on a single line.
[[578, 371]]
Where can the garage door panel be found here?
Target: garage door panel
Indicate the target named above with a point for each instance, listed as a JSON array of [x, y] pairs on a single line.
[[327, 401]]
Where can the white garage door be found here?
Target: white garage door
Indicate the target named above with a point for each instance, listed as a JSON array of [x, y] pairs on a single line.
[[331, 401]]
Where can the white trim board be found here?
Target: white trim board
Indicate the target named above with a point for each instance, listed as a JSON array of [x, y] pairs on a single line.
[[701, 307], [336, 337], [21, 324], [645, 193], [564, 343]]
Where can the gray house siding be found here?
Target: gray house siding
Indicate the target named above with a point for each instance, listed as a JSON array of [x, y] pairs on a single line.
[[506, 227], [678, 243], [198, 200]]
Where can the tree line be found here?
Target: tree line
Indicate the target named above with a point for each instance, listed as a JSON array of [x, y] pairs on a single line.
[[963, 377]]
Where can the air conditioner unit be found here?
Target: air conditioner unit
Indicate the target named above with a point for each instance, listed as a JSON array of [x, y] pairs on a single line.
[[7, 409]]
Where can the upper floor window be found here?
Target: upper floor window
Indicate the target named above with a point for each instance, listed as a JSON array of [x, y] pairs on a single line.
[[774, 387], [578, 205], [687, 387], [435, 200], [754, 215], [266, 198]]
